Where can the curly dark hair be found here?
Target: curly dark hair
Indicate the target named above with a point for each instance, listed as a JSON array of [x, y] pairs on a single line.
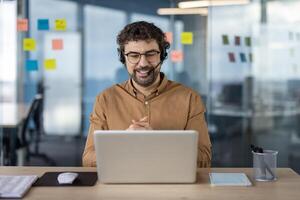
[[142, 30]]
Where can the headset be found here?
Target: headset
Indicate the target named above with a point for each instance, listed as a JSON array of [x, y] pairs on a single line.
[[163, 53]]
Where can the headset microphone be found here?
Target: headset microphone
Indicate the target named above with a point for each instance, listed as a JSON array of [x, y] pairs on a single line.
[[158, 64], [156, 67]]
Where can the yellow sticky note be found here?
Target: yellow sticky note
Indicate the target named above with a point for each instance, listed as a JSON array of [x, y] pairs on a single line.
[[28, 44], [60, 24], [50, 64], [187, 38]]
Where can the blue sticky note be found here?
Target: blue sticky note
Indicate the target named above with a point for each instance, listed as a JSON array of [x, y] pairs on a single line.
[[243, 57], [43, 24], [31, 65]]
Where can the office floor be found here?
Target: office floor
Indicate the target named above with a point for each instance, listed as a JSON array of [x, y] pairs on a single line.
[[67, 151]]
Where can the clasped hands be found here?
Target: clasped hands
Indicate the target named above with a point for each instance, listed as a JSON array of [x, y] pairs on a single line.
[[141, 124]]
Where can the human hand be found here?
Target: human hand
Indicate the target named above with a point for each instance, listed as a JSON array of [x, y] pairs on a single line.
[[141, 124]]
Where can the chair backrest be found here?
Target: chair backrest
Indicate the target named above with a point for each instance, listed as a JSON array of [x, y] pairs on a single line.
[[34, 114]]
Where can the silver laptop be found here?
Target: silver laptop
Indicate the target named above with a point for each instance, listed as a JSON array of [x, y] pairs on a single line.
[[146, 156]]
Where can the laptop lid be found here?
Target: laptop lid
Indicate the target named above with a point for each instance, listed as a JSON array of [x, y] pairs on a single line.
[[146, 156]]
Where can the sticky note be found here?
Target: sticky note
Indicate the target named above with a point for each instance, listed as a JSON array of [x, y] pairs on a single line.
[[31, 65], [248, 41], [250, 57], [22, 25], [237, 40], [243, 57], [176, 56], [57, 44], [50, 64], [187, 38], [28, 44], [169, 37], [60, 24], [231, 57], [43, 24], [225, 39]]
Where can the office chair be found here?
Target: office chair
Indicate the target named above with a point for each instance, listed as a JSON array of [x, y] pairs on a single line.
[[27, 134]]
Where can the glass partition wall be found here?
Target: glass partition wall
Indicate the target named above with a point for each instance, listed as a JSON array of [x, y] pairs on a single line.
[[245, 66], [253, 71], [230, 63]]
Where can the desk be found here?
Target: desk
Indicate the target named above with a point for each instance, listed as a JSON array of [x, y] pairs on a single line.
[[11, 117], [286, 187]]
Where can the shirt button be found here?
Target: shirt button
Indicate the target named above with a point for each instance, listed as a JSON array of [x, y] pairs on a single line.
[[146, 102]]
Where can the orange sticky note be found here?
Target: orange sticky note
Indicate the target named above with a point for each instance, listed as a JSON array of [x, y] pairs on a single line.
[[60, 24], [176, 56], [22, 25], [28, 44], [57, 44], [169, 37], [187, 38], [50, 64]]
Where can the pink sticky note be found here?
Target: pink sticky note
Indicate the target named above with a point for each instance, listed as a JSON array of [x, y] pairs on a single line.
[[176, 56], [231, 57], [57, 44], [169, 37], [22, 25]]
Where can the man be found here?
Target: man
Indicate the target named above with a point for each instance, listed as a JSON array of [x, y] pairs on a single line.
[[148, 100]]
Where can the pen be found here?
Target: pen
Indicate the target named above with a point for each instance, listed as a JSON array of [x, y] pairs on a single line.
[[265, 166]]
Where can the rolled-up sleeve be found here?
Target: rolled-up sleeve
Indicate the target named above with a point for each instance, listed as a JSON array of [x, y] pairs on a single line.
[[97, 122], [196, 121]]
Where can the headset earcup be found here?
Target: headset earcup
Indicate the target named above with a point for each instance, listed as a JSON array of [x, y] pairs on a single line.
[[121, 56], [163, 54]]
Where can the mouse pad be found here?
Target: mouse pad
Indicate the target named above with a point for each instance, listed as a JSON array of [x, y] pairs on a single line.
[[83, 179]]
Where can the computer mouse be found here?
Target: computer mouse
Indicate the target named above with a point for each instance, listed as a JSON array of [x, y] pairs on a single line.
[[67, 177]]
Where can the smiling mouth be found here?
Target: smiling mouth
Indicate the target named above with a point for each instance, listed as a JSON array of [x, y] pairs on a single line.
[[144, 76], [143, 73]]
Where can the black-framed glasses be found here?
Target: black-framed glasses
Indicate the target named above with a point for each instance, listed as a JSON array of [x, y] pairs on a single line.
[[135, 57]]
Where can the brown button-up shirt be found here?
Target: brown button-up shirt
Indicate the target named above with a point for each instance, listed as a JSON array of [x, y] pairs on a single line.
[[171, 107]]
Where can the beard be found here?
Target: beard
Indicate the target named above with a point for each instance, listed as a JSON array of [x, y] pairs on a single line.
[[145, 76]]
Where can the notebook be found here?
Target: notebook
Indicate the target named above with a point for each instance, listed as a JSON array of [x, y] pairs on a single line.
[[229, 179], [15, 186]]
